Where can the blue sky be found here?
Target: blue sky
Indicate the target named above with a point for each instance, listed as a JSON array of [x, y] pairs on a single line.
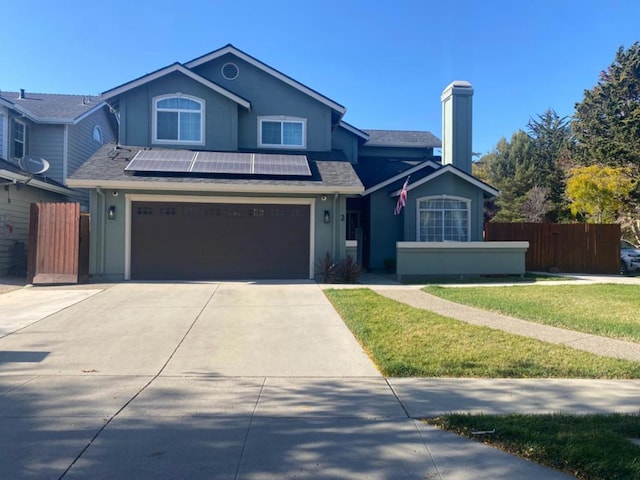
[[387, 62]]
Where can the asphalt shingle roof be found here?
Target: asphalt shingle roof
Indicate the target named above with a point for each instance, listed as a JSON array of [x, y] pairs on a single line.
[[329, 169], [51, 106], [402, 138], [375, 170]]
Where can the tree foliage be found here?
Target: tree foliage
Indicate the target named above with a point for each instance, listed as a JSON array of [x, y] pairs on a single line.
[[527, 171], [598, 193], [606, 124], [509, 168]]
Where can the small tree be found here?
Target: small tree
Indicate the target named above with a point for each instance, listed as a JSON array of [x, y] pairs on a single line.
[[598, 194]]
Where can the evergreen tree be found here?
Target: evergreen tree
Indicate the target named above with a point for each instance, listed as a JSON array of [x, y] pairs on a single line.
[[551, 138], [510, 168], [606, 124]]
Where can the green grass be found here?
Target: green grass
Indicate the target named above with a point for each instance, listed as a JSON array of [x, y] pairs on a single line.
[[408, 342], [594, 447], [610, 310], [527, 278]]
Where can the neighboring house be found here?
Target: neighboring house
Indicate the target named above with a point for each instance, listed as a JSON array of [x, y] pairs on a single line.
[[36, 131], [228, 168]]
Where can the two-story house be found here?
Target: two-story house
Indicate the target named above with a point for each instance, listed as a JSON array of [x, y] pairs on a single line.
[[228, 168], [43, 139]]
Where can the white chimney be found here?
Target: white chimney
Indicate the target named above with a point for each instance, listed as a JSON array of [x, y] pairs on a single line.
[[456, 125]]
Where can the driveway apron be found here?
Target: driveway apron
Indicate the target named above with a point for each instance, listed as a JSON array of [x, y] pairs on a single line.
[[206, 380]]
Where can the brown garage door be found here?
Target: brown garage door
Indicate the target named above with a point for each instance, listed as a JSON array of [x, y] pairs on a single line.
[[184, 241]]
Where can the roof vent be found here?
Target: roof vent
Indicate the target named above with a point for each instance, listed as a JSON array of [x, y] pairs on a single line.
[[22, 95], [230, 71]]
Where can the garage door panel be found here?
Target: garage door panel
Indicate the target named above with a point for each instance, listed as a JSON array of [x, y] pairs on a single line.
[[219, 241]]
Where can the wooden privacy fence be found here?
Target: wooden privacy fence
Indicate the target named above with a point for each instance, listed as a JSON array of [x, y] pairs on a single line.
[[570, 248], [58, 248]]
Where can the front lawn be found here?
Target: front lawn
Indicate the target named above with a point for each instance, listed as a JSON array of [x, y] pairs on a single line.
[[593, 447], [610, 310], [409, 342]]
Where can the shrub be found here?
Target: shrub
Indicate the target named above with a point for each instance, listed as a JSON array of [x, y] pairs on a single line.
[[349, 270], [328, 269]]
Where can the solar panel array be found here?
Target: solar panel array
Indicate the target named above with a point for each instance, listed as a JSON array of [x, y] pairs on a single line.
[[182, 161]]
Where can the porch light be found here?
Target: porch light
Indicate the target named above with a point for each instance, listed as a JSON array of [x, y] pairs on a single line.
[[327, 216], [111, 213]]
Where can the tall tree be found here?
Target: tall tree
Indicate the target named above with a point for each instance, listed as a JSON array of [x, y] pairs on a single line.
[[606, 123], [510, 167], [551, 138]]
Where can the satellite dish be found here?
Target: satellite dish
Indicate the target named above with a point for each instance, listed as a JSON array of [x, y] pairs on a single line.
[[35, 166]]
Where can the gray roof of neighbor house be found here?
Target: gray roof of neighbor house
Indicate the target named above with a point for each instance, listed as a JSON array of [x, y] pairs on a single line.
[[51, 107], [402, 138], [331, 173]]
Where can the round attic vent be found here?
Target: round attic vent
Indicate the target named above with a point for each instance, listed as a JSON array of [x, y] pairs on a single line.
[[230, 71]]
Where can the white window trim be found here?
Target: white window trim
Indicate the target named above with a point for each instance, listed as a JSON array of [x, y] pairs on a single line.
[[154, 120], [98, 130], [13, 139], [281, 119], [443, 197]]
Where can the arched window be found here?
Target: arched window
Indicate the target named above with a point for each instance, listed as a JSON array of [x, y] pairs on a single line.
[[178, 119], [97, 134], [443, 218]]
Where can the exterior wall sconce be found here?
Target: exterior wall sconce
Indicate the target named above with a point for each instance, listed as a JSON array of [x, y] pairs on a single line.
[[111, 213], [327, 216]]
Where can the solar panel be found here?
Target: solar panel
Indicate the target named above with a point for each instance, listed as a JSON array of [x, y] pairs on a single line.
[[236, 163], [222, 162], [273, 164], [174, 161]]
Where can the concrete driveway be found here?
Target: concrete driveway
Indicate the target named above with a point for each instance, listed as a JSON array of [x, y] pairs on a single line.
[[203, 380]]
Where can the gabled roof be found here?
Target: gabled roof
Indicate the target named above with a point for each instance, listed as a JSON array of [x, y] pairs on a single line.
[[489, 190], [176, 67], [392, 171], [52, 108], [356, 131], [331, 173], [266, 68], [13, 173], [402, 138]]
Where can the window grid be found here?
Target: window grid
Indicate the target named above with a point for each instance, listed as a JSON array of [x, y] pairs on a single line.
[[19, 134], [443, 219]]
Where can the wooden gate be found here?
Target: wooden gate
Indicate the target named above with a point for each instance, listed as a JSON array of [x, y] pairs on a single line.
[[570, 248], [58, 249]]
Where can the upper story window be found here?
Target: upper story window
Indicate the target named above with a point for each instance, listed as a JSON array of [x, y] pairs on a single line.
[[443, 218], [178, 119], [282, 132], [97, 134], [18, 139]]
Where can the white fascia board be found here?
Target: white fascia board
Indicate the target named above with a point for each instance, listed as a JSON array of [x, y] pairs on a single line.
[[448, 168], [24, 179], [354, 130], [389, 181], [176, 67], [271, 71], [212, 187], [89, 112]]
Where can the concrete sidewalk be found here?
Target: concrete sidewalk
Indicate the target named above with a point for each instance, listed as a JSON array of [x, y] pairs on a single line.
[[604, 346]]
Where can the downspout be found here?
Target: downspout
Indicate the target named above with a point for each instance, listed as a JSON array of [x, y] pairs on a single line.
[[335, 224], [101, 217]]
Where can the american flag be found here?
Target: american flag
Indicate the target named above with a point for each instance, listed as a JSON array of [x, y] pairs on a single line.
[[402, 199]]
